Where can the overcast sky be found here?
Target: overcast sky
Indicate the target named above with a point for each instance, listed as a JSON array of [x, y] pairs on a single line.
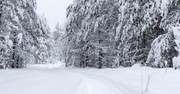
[[54, 10]]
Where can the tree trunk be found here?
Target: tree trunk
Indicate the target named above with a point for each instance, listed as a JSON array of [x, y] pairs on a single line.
[[14, 62], [1, 6], [100, 52]]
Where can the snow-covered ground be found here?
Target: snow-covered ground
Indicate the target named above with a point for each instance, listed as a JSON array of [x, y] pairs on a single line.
[[59, 80]]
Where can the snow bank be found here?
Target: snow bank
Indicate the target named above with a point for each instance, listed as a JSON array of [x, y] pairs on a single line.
[[136, 66], [45, 66]]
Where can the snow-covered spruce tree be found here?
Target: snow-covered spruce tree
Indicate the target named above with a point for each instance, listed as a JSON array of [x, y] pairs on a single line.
[[128, 33], [98, 34], [43, 37], [10, 26], [104, 34], [168, 14], [73, 50], [38, 31], [22, 25]]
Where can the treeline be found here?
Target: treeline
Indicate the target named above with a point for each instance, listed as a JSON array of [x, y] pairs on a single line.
[[114, 33], [99, 33]]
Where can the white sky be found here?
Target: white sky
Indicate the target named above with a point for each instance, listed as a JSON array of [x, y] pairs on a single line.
[[54, 11]]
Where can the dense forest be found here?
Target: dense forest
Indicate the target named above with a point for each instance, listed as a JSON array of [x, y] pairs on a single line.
[[114, 33], [98, 33]]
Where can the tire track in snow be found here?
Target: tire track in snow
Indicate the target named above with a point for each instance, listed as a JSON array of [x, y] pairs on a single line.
[[96, 84]]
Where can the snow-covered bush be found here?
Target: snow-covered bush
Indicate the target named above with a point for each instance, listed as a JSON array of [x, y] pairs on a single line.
[[162, 51]]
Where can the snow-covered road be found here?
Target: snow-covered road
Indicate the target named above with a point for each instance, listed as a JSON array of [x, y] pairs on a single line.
[[36, 80]]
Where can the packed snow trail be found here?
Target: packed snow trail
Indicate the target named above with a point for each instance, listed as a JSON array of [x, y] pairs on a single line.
[[50, 80]]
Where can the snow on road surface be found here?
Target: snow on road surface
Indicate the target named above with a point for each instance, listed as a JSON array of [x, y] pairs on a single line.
[[60, 80]]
